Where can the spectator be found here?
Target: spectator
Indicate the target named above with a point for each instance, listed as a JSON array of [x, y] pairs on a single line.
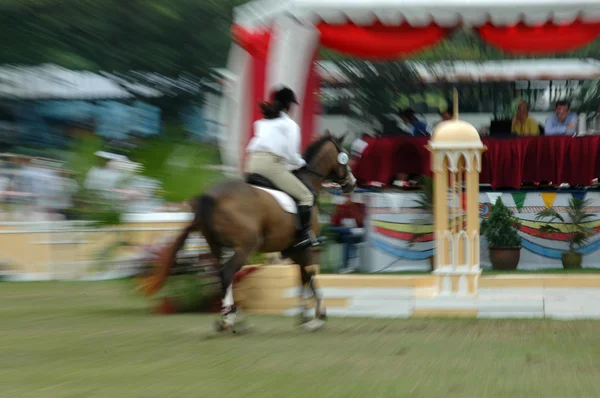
[[416, 126], [522, 124], [105, 179], [64, 189], [562, 122], [359, 145], [348, 222], [595, 122], [446, 115]]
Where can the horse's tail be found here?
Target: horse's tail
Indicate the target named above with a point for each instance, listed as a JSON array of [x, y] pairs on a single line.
[[202, 207]]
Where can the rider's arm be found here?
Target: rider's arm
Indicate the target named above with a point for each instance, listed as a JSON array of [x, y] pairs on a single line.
[[293, 158]]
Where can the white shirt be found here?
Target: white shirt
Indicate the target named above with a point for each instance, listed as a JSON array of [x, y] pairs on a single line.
[[358, 147], [102, 179], [281, 137]]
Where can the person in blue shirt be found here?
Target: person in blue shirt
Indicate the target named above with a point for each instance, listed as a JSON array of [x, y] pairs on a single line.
[[563, 122], [418, 127]]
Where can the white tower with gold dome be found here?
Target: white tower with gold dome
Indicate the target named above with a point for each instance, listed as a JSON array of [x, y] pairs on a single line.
[[456, 150]]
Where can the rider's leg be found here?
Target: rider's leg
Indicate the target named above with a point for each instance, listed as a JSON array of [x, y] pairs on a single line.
[[272, 168], [293, 186]]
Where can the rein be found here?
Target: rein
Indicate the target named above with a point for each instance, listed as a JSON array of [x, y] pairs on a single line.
[[343, 181]]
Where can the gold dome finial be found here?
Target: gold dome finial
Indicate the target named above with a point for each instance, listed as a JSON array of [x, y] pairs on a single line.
[[455, 105]]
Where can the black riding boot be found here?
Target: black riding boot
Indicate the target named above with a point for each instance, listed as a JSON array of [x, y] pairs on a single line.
[[307, 236]]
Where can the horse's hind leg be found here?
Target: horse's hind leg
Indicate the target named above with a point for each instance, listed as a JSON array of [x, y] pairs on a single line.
[[229, 312]]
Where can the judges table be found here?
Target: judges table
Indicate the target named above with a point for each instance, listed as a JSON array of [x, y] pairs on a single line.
[[506, 163]]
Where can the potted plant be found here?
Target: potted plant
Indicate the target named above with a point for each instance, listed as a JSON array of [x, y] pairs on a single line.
[[577, 232], [504, 243]]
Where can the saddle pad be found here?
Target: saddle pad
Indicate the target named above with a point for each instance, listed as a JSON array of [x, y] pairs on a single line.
[[285, 201]]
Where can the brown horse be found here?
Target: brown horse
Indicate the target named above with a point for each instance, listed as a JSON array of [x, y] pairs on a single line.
[[235, 215]]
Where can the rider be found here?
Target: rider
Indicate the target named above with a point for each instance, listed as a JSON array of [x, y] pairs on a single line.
[[274, 153]]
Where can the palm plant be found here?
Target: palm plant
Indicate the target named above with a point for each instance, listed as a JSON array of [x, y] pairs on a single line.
[[577, 230]]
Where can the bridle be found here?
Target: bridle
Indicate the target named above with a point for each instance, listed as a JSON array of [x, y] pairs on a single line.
[[342, 160]]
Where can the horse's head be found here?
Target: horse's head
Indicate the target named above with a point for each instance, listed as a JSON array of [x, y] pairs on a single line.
[[328, 159]]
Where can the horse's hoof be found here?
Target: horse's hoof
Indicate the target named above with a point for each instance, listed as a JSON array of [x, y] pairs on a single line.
[[313, 325], [302, 319], [218, 326], [241, 327], [323, 316]]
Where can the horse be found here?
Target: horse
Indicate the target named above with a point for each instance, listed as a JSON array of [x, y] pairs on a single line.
[[242, 216]]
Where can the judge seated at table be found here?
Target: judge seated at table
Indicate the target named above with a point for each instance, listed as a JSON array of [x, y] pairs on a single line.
[[562, 122], [524, 125], [348, 222], [446, 115], [358, 147]]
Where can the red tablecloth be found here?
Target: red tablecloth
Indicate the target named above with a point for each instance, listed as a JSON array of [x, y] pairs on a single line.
[[507, 163]]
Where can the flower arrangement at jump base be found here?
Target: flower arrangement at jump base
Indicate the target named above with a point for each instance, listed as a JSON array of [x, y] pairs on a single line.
[[577, 231], [193, 285], [504, 242]]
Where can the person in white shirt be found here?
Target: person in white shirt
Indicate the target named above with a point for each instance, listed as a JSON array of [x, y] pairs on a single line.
[[274, 152]]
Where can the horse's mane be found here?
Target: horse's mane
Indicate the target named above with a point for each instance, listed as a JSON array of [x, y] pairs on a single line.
[[315, 147]]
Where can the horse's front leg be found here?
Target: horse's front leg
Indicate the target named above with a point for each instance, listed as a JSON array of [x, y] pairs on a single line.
[[305, 294], [320, 310], [307, 274]]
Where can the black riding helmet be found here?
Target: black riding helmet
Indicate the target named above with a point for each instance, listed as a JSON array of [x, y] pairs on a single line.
[[285, 96]]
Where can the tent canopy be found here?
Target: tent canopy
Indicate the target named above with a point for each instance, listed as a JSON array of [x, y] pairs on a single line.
[[388, 29], [276, 42], [444, 13]]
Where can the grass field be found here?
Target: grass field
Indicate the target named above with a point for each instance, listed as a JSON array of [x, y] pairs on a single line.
[[98, 340]]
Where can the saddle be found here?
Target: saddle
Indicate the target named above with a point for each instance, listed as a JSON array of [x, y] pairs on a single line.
[[259, 180]]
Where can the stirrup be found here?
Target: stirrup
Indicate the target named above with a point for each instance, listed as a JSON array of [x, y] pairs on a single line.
[[310, 240]]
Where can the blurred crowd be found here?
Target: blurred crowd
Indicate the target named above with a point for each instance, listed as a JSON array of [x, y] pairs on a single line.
[[38, 189]]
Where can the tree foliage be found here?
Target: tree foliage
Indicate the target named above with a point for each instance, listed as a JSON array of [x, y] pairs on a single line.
[[167, 37], [376, 85]]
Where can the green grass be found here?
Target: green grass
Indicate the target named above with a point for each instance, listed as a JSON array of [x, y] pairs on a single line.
[[98, 340]]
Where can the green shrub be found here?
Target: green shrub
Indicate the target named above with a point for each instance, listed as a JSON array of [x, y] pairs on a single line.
[[500, 229]]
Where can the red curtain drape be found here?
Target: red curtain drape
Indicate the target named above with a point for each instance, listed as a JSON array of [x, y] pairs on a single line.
[[543, 39], [379, 41]]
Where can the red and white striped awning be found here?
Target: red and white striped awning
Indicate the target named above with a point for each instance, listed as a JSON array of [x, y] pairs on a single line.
[[388, 29], [444, 13]]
